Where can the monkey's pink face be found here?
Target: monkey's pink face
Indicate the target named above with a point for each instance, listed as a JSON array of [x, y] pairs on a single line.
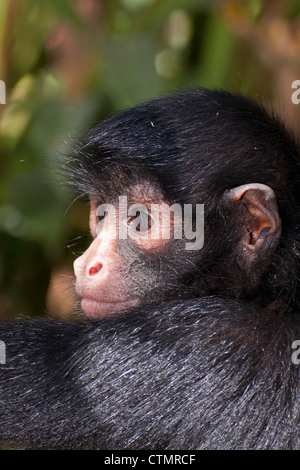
[[104, 276]]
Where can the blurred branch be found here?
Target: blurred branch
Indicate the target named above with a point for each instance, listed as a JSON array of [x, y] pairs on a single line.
[[10, 12]]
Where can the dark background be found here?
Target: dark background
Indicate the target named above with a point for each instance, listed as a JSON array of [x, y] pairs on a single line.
[[68, 64]]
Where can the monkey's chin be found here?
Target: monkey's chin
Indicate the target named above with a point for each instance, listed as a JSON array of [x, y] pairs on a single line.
[[97, 310]]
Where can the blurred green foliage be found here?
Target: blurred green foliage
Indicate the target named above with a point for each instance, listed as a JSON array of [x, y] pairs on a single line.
[[67, 64]]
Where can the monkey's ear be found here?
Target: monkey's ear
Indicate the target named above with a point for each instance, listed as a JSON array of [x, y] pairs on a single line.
[[262, 224]]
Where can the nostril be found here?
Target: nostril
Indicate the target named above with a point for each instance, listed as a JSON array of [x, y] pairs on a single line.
[[95, 269]]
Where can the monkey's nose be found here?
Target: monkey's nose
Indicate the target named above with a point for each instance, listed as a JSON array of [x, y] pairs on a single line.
[[95, 269]]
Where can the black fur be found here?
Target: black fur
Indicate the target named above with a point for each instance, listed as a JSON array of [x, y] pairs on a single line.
[[211, 372], [199, 374]]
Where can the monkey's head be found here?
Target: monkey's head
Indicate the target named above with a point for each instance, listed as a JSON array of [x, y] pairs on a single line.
[[129, 260], [190, 195]]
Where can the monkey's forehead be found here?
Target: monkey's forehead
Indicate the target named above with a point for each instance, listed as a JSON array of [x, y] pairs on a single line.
[[144, 191]]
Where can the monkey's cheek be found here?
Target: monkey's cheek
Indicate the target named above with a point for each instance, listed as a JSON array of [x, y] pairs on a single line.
[[97, 310]]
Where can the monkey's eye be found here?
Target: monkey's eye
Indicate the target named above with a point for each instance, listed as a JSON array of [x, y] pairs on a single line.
[[141, 221], [100, 218]]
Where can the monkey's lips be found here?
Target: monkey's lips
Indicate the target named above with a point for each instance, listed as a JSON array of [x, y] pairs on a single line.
[[95, 309]]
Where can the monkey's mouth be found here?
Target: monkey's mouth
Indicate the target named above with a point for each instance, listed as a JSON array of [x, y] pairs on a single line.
[[95, 309]]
